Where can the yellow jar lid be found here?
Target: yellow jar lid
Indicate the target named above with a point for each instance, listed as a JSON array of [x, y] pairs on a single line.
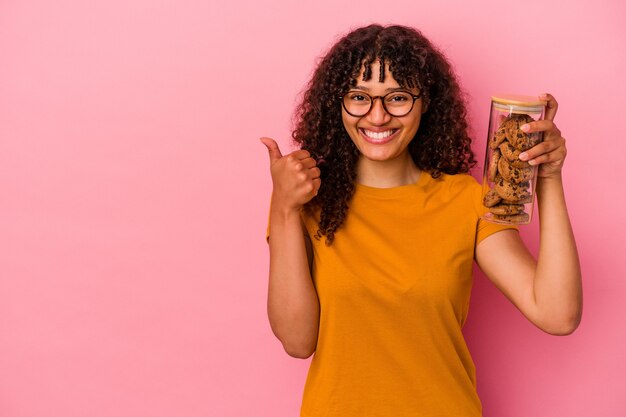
[[518, 100]]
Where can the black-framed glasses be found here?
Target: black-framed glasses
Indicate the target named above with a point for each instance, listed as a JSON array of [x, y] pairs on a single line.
[[397, 103]]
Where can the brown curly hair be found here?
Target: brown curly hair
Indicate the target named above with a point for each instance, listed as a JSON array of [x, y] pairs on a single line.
[[441, 144]]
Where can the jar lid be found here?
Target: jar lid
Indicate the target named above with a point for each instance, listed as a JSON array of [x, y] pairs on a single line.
[[516, 102]]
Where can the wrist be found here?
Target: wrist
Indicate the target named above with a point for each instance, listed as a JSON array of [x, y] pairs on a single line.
[[553, 179], [552, 185], [284, 209]]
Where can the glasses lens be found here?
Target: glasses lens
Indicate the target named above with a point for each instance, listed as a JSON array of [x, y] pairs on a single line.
[[357, 103], [398, 104]]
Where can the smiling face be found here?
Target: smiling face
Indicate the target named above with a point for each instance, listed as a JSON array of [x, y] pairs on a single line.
[[379, 136]]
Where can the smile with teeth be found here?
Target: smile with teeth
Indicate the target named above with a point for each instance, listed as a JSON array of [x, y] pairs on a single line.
[[378, 136]]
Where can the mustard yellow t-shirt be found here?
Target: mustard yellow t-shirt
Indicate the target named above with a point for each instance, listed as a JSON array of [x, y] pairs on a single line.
[[394, 290]]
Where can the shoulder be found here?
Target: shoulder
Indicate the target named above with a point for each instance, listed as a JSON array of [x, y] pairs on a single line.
[[461, 189], [458, 183]]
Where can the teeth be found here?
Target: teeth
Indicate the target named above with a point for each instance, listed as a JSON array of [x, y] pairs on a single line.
[[377, 135]]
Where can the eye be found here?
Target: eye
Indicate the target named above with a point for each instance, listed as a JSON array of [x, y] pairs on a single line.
[[398, 98], [359, 97]]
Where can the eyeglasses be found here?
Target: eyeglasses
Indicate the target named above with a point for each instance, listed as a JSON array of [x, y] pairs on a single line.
[[397, 103]]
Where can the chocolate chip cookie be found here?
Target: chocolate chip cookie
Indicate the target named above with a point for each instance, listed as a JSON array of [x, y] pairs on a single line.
[[493, 164], [513, 218], [491, 198], [512, 127], [498, 137], [524, 200], [510, 191], [507, 209], [512, 155], [514, 174]]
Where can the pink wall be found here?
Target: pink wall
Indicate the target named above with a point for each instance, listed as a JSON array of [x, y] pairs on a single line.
[[134, 196]]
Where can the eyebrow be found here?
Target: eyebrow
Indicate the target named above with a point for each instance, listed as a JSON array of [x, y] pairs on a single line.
[[389, 90]]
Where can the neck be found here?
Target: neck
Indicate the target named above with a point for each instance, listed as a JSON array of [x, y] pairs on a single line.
[[389, 173]]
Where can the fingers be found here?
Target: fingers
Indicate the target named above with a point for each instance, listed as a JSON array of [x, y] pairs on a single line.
[[276, 154], [554, 159], [315, 173], [546, 126], [306, 180], [307, 166], [551, 107], [295, 177], [549, 154], [317, 183], [301, 154], [308, 162], [547, 151], [272, 148]]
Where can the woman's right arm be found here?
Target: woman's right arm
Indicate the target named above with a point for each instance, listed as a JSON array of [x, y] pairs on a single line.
[[292, 303]]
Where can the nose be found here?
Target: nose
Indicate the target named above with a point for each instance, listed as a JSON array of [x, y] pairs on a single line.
[[377, 114]]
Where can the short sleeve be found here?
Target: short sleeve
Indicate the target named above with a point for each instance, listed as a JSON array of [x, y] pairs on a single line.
[[485, 228]]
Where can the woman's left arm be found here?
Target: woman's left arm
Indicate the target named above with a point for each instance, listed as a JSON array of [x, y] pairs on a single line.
[[547, 291]]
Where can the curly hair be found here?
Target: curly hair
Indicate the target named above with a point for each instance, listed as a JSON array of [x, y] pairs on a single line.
[[441, 144]]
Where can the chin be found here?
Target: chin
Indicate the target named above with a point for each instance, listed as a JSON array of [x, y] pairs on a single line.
[[379, 155]]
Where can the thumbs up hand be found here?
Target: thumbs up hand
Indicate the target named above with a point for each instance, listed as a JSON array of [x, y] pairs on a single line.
[[296, 177]]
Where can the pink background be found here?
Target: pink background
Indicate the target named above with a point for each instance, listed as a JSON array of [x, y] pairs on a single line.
[[134, 196]]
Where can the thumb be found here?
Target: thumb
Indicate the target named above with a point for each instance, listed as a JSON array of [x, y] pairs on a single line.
[[273, 149]]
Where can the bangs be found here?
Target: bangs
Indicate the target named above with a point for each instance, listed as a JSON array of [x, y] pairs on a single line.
[[406, 77]]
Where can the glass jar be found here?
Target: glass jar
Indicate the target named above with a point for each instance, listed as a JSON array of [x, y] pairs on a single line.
[[508, 182]]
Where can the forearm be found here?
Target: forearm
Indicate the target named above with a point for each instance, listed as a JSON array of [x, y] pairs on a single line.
[[293, 305], [557, 284]]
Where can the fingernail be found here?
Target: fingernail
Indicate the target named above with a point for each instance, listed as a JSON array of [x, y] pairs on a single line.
[[525, 128], [543, 95], [531, 162], [523, 156]]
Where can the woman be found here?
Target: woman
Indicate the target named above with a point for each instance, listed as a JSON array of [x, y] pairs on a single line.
[[375, 224]]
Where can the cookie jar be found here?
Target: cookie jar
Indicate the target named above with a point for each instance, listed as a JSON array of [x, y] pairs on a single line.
[[508, 182]]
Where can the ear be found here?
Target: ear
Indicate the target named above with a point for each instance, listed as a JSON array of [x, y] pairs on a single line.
[[425, 103]]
